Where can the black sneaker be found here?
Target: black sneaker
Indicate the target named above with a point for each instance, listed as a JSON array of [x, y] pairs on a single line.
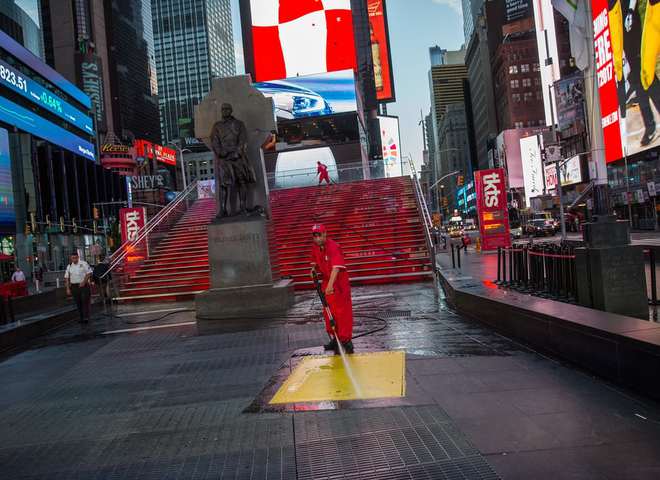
[[348, 347], [331, 345]]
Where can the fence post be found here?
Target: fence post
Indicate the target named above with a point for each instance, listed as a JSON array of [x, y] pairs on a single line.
[[458, 256], [499, 253], [654, 294], [453, 259]]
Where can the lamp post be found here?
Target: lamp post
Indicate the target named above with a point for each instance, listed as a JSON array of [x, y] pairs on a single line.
[[183, 165]]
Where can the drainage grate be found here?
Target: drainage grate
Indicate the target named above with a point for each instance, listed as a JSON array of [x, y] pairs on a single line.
[[384, 443], [395, 314]]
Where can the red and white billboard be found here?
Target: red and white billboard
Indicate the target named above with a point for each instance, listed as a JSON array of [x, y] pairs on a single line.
[[380, 50], [146, 149], [292, 38], [490, 186], [609, 100], [132, 221]]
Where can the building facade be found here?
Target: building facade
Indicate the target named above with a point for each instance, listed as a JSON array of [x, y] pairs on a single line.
[[193, 44], [20, 20]]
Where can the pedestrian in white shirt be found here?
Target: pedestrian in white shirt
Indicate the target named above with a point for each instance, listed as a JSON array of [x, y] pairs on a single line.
[[18, 275], [77, 278]]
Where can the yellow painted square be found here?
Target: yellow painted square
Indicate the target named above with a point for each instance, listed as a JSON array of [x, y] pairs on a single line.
[[318, 378]]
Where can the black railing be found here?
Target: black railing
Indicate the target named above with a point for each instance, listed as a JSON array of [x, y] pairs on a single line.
[[546, 270]]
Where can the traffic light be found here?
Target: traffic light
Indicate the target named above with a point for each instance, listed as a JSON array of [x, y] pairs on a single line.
[[95, 211], [62, 224], [75, 227], [445, 202], [48, 221], [33, 222], [460, 181], [96, 226]]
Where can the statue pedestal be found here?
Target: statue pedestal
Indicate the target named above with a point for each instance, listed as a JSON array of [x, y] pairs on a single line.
[[610, 271], [242, 289]]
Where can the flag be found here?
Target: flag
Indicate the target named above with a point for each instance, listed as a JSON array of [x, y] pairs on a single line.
[[575, 11], [301, 37]]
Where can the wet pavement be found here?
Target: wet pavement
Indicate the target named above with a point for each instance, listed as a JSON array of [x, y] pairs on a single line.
[[144, 396]]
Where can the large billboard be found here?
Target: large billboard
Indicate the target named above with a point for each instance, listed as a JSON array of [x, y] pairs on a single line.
[[570, 103], [312, 96], [530, 154], [546, 41], [292, 38], [490, 186], [626, 50], [570, 172], [391, 143], [380, 50], [147, 150], [7, 213]]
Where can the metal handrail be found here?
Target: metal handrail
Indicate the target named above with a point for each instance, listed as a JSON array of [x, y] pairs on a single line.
[[424, 210], [121, 253]]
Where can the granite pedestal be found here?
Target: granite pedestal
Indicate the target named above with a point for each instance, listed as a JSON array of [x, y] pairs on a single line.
[[242, 287], [610, 271]]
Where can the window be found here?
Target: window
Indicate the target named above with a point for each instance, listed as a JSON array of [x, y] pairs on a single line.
[[527, 82], [524, 68], [513, 69], [519, 124], [537, 67], [515, 97], [515, 83], [528, 96], [537, 81]]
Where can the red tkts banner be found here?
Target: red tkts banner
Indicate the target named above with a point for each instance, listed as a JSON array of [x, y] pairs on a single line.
[[380, 50], [605, 73], [490, 186], [132, 221]]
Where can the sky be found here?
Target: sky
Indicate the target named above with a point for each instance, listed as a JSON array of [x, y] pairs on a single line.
[[415, 25]]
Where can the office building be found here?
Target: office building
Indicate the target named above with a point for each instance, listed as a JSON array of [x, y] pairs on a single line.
[[194, 43], [20, 20]]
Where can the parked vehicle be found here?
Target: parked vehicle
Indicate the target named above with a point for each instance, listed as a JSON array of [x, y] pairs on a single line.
[[540, 228]]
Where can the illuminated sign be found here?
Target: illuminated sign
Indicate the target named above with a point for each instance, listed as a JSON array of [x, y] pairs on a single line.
[[114, 148], [146, 149], [492, 209], [298, 38], [132, 221], [28, 88], [391, 144], [622, 69], [380, 50], [546, 41], [90, 71], [532, 166], [30, 122], [147, 182], [7, 213], [312, 96], [36, 64], [570, 171]]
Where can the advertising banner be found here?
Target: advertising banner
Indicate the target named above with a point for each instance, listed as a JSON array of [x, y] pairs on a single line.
[[516, 9], [530, 155], [570, 103], [146, 149], [7, 212], [298, 38], [492, 209], [132, 221], [206, 189], [625, 45], [90, 73], [546, 41], [391, 143], [569, 170], [312, 96], [380, 50]]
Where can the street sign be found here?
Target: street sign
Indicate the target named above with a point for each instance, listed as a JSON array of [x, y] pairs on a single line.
[[651, 187]]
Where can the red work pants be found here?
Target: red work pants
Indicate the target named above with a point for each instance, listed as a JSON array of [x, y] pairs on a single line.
[[341, 307]]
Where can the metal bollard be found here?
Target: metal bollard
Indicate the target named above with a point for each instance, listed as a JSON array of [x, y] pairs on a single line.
[[499, 262], [453, 259], [654, 294], [458, 256], [504, 266], [510, 265]]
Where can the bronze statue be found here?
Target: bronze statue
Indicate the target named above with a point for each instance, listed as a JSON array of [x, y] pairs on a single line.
[[233, 170]]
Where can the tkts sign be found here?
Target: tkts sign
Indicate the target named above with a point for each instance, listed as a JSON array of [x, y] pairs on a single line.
[[492, 209], [132, 222]]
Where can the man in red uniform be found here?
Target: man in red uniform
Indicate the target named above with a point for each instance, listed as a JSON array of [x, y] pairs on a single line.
[[322, 172], [328, 261]]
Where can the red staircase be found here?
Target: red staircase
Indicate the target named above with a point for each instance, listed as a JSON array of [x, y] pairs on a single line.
[[376, 222]]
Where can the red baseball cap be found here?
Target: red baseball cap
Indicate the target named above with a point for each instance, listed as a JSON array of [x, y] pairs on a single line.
[[318, 228]]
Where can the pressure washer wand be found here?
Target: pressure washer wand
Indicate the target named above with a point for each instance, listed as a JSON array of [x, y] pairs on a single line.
[[326, 307]]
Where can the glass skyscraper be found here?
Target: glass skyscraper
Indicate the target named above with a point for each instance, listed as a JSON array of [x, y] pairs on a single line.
[[193, 43]]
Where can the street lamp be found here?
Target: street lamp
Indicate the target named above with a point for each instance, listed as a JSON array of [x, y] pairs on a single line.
[[183, 166]]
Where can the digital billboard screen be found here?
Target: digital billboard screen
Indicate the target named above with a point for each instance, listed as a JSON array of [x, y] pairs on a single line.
[[626, 66], [16, 81], [291, 38], [312, 96], [30, 122], [36, 64], [7, 213], [380, 50], [390, 141]]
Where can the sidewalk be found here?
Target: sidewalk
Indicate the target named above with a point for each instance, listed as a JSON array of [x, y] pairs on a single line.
[[161, 402]]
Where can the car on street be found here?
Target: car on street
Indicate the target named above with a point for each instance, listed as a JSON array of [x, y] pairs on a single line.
[[540, 227]]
